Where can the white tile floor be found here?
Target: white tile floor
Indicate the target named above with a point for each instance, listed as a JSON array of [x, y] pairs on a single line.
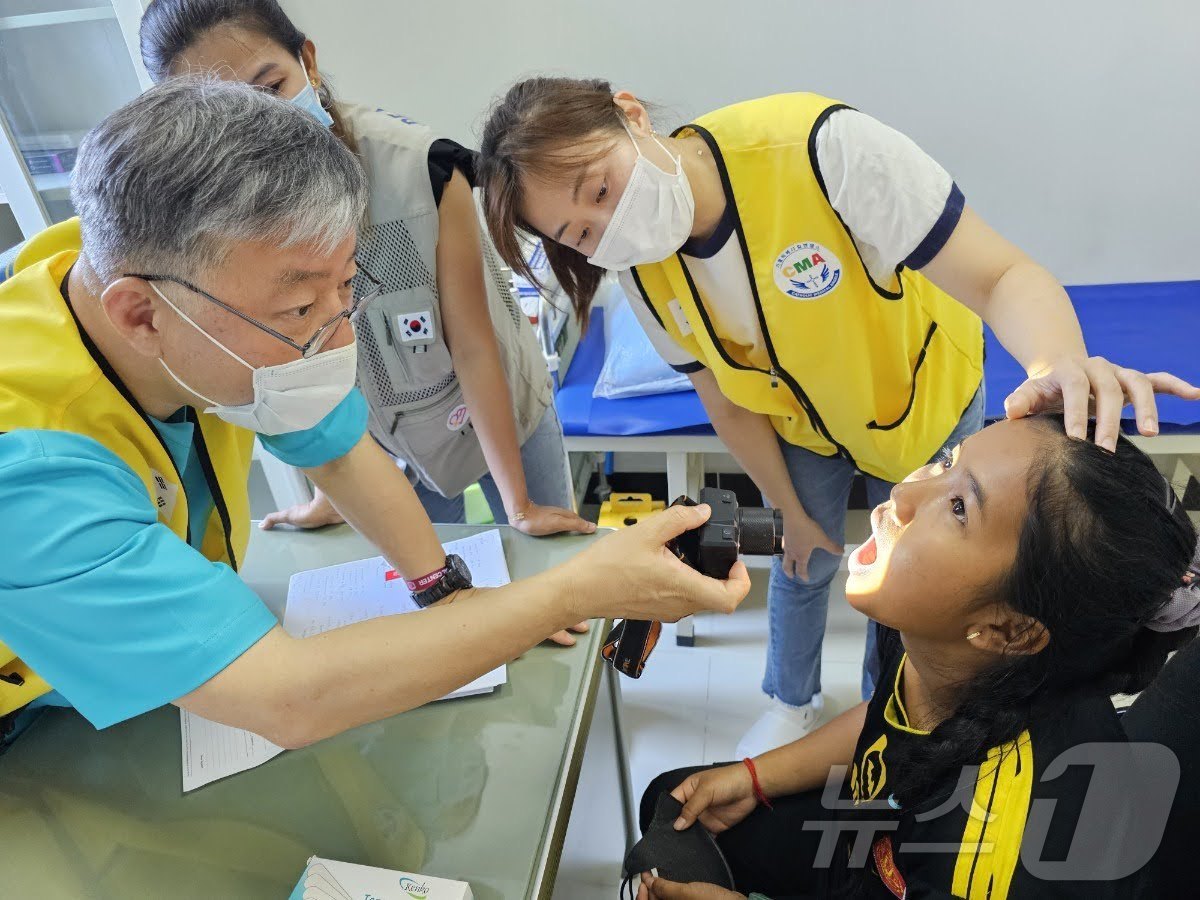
[[690, 707]]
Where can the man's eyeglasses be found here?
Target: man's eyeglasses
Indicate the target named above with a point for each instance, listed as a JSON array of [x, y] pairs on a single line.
[[313, 345]]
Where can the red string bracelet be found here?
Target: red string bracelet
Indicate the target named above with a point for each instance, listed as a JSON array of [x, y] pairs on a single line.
[[758, 791]]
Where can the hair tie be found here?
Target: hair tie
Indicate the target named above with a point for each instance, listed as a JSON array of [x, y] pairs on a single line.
[[1183, 609], [1172, 497]]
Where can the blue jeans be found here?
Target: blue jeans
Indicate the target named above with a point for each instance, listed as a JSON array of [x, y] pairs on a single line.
[[797, 609], [547, 476]]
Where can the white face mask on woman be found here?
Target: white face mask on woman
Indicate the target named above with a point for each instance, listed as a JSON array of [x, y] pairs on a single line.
[[293, 396], [653, 218]]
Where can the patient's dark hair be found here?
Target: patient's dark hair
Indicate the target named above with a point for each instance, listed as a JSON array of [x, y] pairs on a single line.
[[1102, 549], [170, 27]]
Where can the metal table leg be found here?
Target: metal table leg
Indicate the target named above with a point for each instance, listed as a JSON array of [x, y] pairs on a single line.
[[685, 475], [624, 779]]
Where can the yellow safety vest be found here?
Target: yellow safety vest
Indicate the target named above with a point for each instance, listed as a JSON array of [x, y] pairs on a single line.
[[52, 377], [877, 374]]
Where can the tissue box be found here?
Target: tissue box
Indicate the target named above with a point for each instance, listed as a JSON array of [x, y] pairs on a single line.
[[327, 879]]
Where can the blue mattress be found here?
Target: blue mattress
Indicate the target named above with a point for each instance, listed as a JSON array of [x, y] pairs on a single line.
[[1151, 327]]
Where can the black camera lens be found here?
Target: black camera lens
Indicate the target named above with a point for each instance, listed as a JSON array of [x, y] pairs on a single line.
[[762, 530]]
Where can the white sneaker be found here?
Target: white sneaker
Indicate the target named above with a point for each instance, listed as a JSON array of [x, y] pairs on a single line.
[[779, 725]]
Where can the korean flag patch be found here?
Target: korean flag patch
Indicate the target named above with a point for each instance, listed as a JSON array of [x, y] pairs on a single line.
[[416, 327]]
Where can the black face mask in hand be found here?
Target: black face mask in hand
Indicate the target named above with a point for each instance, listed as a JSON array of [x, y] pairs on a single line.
[[683, 856]]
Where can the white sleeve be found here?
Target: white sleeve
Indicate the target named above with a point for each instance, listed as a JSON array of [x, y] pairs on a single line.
[[893, 196], [673, 355]]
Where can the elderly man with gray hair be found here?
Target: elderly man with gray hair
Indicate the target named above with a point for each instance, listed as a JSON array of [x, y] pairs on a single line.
[[204, 295]]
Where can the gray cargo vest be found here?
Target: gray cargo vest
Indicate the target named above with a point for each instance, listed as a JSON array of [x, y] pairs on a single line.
[[417, 409]]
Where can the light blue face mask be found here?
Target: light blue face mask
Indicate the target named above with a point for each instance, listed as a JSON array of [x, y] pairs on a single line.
[[308, 101]]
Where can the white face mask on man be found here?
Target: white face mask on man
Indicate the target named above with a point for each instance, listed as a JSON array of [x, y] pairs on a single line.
[[292, 396], [653, 218]]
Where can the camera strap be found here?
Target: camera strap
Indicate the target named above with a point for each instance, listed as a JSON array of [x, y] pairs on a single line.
[[630, 644]]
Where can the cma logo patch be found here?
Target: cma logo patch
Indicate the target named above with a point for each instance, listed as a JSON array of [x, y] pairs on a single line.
[[806, 271]]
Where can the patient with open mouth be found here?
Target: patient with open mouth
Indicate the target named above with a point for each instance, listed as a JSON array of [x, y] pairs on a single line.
[[1023, 580]]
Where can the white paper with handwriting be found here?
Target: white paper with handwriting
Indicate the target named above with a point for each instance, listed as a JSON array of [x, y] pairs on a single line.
[[319, 600]]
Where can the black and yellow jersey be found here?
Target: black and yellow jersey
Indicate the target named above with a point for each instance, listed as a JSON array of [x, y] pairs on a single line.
[[970, 840]]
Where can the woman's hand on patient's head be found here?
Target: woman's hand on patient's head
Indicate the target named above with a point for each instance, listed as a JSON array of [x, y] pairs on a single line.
[[632, 575], [653, 888], [1076, 387]]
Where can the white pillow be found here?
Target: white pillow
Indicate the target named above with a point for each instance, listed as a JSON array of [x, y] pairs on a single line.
[[632, 367]]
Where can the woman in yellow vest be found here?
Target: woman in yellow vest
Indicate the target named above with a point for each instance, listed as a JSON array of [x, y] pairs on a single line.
[[821, 280]]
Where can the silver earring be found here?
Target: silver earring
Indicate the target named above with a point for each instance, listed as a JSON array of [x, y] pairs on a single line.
[[973, 635]]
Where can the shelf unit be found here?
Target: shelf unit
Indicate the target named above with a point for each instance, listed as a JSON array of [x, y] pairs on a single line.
[[23, 193], [38, 20], [54, 184]]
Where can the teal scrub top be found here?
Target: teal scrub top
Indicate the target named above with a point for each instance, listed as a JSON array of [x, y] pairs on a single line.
[[101, 599]]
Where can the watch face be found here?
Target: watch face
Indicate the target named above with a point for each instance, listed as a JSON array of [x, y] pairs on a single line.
[[458, 568], [457, 577]]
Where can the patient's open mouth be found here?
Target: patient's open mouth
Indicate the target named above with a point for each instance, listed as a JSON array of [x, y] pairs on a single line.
[[866, 553], [864, 558]]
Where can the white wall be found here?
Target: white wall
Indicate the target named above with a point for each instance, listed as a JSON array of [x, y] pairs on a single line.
[[1072, 125]]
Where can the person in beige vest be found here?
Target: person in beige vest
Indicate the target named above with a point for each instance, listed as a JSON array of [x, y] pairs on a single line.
[[455, 382]]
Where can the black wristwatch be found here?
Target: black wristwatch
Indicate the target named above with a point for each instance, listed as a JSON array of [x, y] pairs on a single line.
[[455, 576]]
